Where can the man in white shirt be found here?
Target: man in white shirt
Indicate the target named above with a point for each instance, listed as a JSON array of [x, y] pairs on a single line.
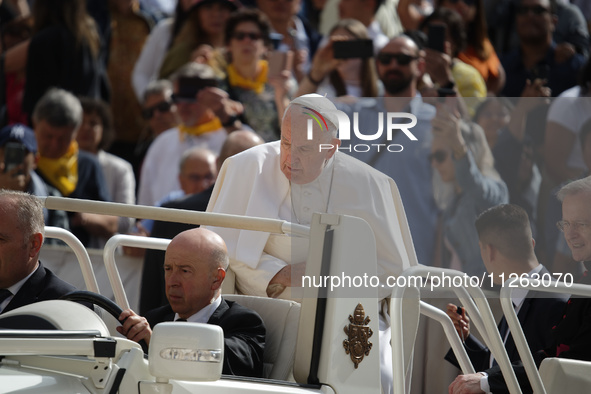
[[207, 115]]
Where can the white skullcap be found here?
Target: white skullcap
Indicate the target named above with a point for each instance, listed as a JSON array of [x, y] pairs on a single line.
[[320, 104]]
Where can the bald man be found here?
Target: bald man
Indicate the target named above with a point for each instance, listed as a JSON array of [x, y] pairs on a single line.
[[194, 270], [152, 289]]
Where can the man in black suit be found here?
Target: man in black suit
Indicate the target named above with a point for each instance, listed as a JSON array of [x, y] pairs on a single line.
[[194, 269], [152, 288], [23, 279], [507, 249], [571, 337]]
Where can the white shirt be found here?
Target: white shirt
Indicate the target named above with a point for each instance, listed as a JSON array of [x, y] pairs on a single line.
[[160, 170], [147, 66], [204, 314], [571, 111]]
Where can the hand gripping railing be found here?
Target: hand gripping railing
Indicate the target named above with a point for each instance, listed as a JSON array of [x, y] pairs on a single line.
[[515, 326], [484, 322], [80, 252]]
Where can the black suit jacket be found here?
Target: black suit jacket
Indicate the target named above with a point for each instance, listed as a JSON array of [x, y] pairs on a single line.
[[537, 316], [571, 339], [152, 288], [41, 286], [244, 336]]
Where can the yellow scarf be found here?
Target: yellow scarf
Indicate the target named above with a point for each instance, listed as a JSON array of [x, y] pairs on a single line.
[[206, 124], [258, 84], [63, 172]]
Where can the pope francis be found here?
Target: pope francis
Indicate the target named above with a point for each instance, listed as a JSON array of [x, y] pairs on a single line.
[[291, 179]]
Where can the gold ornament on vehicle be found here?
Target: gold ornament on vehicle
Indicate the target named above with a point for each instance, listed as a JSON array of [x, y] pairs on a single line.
[[358, 344]]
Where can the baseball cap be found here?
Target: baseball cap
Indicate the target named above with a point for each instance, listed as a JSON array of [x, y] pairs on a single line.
[[19, 133]]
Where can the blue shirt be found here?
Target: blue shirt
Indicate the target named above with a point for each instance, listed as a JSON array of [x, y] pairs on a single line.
[[410, 168], [561, 76]]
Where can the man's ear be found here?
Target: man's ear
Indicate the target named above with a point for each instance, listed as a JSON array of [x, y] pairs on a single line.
[[533, 243], [218, 279], [491, 252], [36, 241]]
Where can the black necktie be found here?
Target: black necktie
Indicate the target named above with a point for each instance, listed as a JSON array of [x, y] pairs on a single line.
[[180, 320], [503, 330], [4, 294]]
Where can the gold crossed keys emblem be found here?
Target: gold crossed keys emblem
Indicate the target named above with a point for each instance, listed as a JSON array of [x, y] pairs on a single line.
[[358, 344]]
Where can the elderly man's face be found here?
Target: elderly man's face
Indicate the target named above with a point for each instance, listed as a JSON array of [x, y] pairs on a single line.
[[198, 173], [53, 142], [188, 279], [576, 214], [302, 160], [17, 252]]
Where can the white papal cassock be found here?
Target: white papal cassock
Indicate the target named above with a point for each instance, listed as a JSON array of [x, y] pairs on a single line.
[[251, 183]]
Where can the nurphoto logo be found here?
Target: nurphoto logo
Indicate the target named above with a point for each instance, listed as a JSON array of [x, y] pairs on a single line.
[[395, 121]]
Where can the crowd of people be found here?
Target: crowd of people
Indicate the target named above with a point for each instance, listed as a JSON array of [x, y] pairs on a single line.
[[138, 102]]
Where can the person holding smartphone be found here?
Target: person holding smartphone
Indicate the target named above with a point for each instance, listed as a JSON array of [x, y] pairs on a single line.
[[447, 38], [345, 66], [262, 86]]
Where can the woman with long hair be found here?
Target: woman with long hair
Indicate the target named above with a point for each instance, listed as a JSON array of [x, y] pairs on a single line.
[[65, 52], [158, 44], [205, 24], [479, 52], [249, 79], [342, 77]]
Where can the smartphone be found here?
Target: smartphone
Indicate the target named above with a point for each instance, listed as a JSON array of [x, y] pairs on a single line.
[[442, 93], [190, 86], [436, 37], [14, 156], [276, 40], [540, 71], [279, 61], [349, 49]]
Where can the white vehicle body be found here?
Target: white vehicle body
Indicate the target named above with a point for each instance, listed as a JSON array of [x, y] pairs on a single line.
[[84, 355]]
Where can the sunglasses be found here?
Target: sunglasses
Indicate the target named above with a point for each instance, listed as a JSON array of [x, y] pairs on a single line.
[[535, 9], [241, 35], [439, 156], [467, 2], [162, 107], [401, 58]]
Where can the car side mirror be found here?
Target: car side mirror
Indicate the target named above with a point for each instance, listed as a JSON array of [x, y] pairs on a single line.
[[186, 351]]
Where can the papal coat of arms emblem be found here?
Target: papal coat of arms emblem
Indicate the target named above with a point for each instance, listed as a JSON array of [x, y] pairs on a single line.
[[358, 344]]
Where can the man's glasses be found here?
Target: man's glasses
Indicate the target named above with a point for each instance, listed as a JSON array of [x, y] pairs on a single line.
[[241, 35], [162, 107], [439, 156], [535, 9], [563, 226], [402, 59]]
